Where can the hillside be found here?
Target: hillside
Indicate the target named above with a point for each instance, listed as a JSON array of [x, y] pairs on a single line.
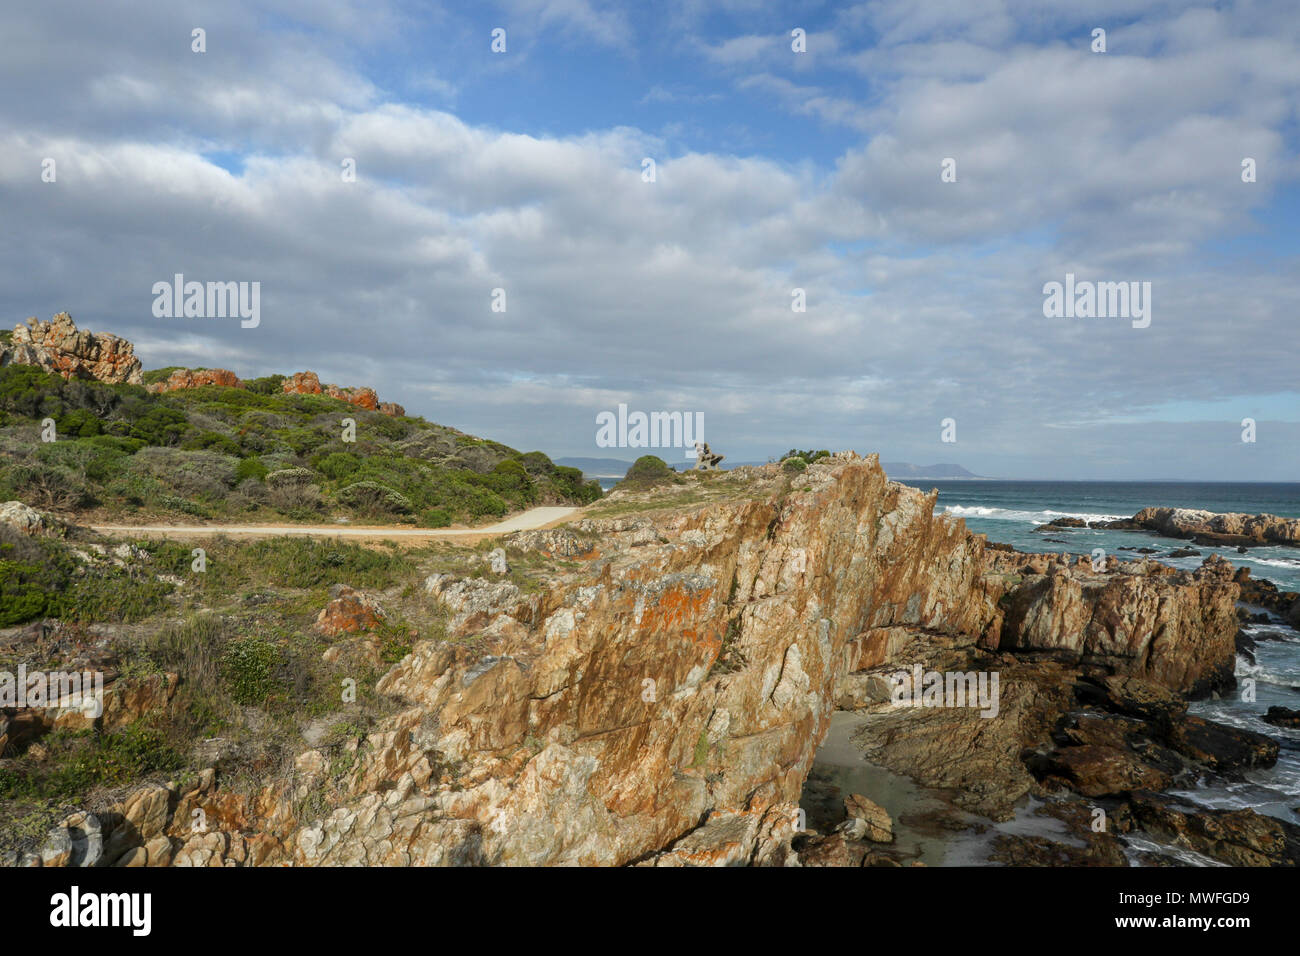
[[251, 451]]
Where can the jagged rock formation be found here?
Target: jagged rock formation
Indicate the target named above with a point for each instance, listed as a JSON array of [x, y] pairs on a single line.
[[1210, 527], [1231, 529], [196, 378], [308, 383], [58, 346], [663, 703]]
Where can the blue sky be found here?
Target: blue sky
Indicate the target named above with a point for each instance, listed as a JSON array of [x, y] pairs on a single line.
[[775, 170]]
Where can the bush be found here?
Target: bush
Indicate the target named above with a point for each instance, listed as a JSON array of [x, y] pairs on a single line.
[[160, 425], [248, 669], [338, 465], [269, 385], [79, 423], [537, 463], [794, 465], [808, 456], [190, 474], [299, 502], [250, 468], [214, 441], [373, 498], [570, 484], [80, 760], [49, 486], [434, 518], [39, 577], [290, 477], [649, 470]]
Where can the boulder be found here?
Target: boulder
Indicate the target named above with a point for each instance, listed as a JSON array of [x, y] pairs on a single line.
[[877, 825], [350, 612], [22, 518]]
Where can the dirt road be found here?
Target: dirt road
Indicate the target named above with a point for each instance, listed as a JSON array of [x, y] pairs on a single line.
[[525, 521]]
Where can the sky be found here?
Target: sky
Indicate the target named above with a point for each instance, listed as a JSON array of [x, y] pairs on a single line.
[[774, 170]]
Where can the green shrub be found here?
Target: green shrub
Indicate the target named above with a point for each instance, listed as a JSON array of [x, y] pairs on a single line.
[[248, 668], [372, 497], [155, 375], [794, 465], [189, 474], [434, 518], [269, 385], [160, 425], [338, 465], [649, 469], [79, 423], [250, 467], [290, 477], [49, 486], [808, 456], [78, 761], [214, 441]]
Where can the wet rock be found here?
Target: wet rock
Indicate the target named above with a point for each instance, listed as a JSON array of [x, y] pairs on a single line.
[[1283, 717], [1096, 770], [1220, 747], [1236, 837]]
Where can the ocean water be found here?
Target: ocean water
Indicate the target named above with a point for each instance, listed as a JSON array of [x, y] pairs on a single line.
[[1009, 511]]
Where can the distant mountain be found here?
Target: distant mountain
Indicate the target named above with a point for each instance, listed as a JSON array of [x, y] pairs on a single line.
[[617, 468], [902, 469]]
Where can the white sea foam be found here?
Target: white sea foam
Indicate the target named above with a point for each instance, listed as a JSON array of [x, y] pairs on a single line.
[[1033, 517]]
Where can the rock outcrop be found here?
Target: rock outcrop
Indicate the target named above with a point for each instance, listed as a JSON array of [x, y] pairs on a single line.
[[1209, 527], [58, 346], [308, 383], [196, 378], [661, 703]]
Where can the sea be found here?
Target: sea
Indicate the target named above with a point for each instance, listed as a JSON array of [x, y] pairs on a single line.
[[1011, 511]]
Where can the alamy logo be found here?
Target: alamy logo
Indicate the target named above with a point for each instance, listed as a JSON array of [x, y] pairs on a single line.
[[922, 688], [82, 691], [73, 909], [208, 300], [656, 430], [1098, 300]]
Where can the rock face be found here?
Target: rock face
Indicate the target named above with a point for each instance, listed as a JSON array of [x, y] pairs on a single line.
[[1140, 619], [662, 702], [308, 383], [196, 378], [58, 346]]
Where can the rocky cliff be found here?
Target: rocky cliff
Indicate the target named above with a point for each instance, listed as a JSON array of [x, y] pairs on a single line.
[[662, 700], [58, 346]]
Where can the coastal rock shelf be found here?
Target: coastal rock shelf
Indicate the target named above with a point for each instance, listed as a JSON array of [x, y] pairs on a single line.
[[1204, 527], [661, 701]]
